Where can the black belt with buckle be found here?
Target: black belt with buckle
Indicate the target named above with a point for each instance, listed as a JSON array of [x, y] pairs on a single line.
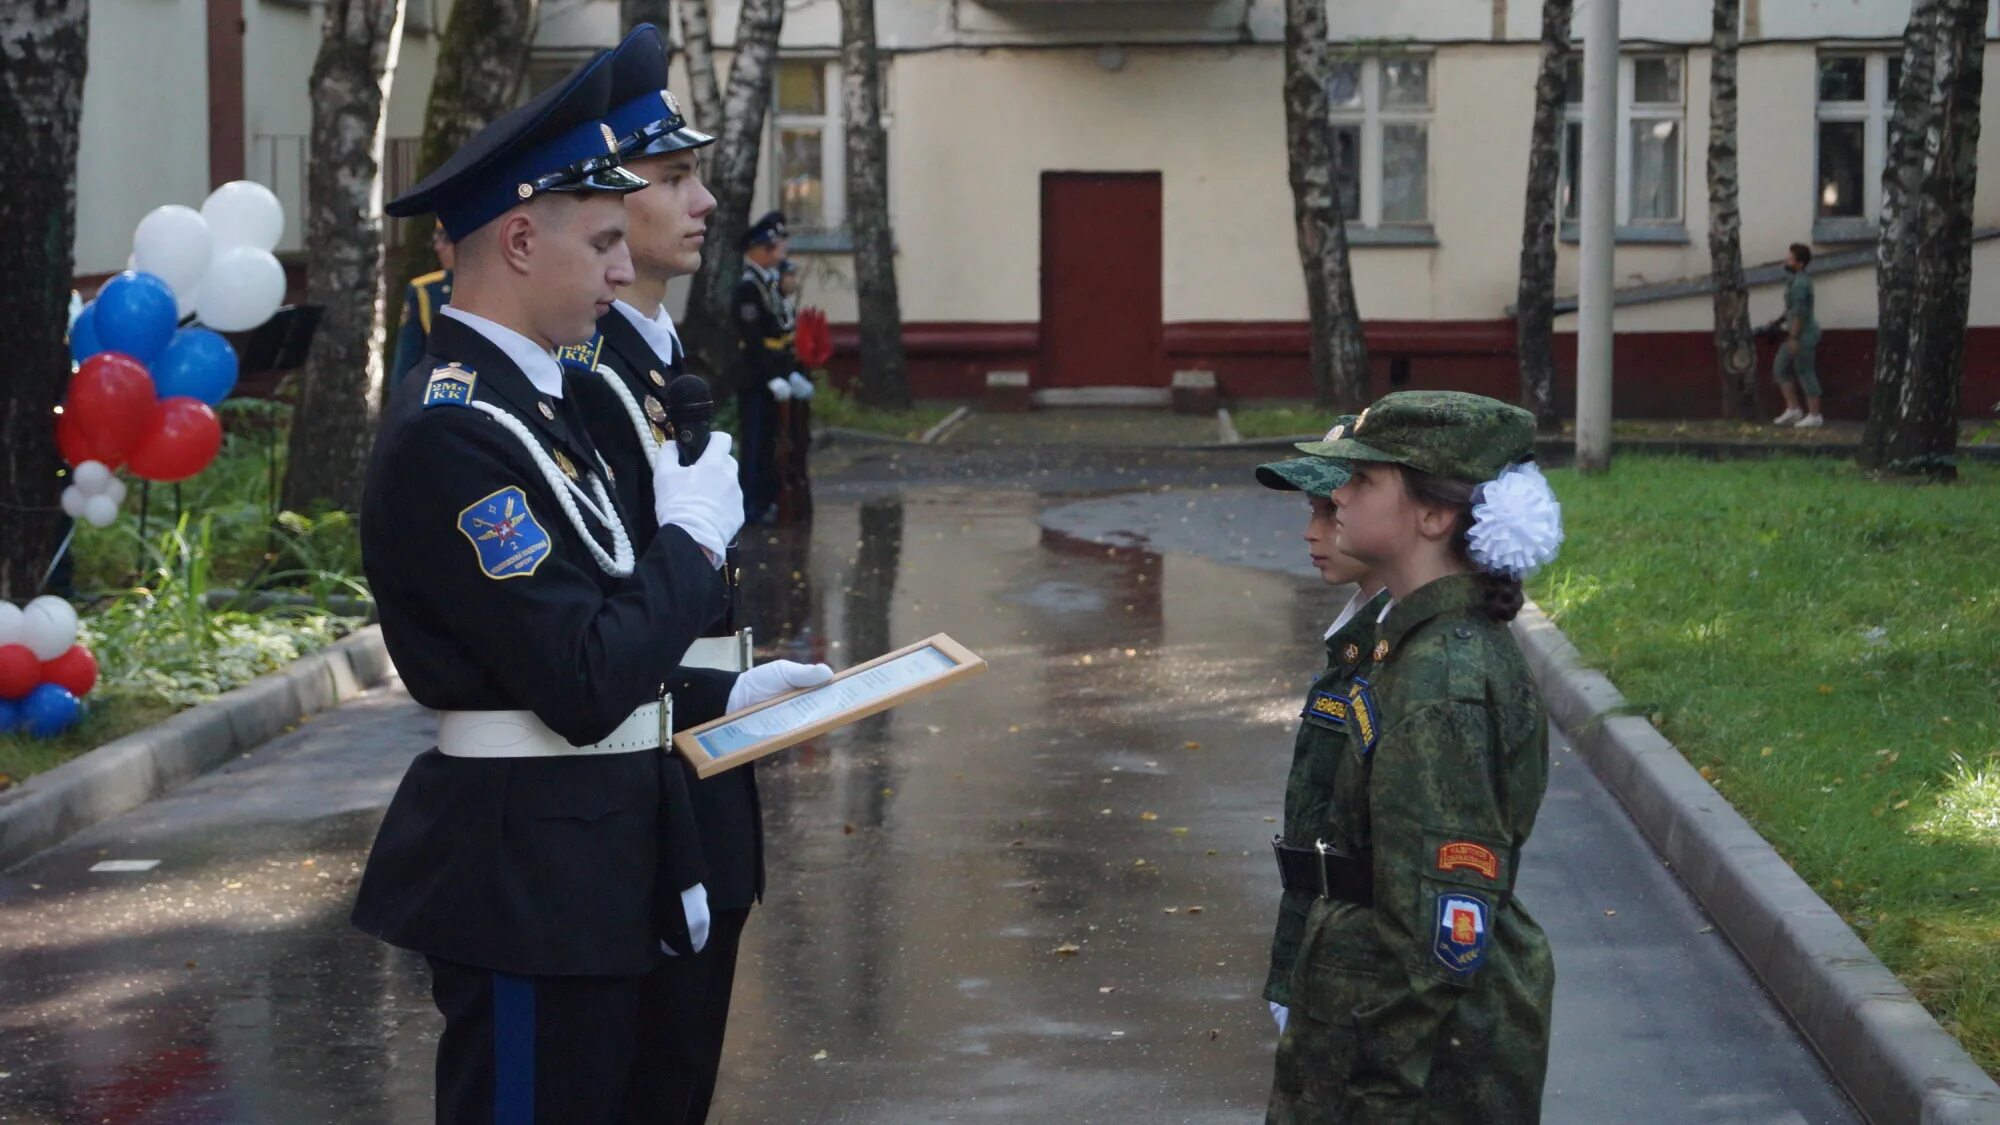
[[1324, 872]]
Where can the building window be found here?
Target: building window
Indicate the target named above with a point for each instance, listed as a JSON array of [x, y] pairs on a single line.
[[1380, 110], [1855, 98], [807, 152], [1652, 115]]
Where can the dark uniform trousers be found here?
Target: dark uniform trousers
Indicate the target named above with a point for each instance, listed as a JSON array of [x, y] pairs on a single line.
[[539, 888], [681, 1053], [765, 328]]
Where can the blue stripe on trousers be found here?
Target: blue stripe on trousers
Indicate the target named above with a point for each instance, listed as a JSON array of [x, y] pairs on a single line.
[[513, 1050]]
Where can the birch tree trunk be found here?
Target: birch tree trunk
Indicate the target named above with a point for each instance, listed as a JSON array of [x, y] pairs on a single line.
[[1339, 351], [482, 54], [1535, 300], [1735, 345], [42, 61], [732, 176], [1925, 276], [885, 380], [697, 42], [334, 422]]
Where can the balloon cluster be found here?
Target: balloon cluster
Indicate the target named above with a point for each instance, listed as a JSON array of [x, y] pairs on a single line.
[[813, 342], [145, 391], [44, 673], [95, 496]]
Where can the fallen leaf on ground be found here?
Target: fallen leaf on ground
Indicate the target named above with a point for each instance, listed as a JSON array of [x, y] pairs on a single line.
[[1192, 745], [1067, 949], [1149, 816], [818, 1055], [1194, 910]]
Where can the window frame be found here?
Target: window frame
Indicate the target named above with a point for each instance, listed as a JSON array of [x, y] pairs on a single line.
[[832, 234], [1873, 112], [1642, 230], [1371, 116]]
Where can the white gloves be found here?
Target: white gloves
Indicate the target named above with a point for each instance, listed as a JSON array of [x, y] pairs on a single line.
[[703, 498], [769, 681], [802, 387], [1278, 1011], [780, 389], [694, 904]]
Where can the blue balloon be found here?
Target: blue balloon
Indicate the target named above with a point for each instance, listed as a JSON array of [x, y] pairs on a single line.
[[49, 710], [136, 315], [83, 342], [10, 716], [199, 364]]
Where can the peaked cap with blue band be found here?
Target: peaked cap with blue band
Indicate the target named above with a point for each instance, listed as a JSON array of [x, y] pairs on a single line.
[[557, 142], [645, 116]]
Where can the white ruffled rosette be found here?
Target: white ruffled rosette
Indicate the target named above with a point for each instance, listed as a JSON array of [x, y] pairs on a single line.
[[1516, 523]]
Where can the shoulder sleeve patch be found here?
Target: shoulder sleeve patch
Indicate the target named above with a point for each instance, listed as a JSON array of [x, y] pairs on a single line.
[[503, 532], [581, 357], [450, 386]]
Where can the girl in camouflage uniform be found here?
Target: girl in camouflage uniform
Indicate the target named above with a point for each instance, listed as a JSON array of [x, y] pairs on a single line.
[[1420, 988]]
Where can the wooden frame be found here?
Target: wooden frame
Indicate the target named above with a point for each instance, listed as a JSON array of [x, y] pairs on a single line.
[[708, 763]]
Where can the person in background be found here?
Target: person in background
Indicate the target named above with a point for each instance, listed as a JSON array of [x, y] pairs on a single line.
[[421, 302], [1794, 367]]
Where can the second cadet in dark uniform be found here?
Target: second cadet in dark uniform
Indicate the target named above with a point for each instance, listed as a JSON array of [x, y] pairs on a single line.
[[543, 854], [421, 301], [622, 377], [764, 324]]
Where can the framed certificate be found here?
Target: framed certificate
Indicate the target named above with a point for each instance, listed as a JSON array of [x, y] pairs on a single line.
[[860, 691]]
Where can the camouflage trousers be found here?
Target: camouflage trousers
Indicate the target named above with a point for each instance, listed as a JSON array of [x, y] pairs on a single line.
[[1490, 1053]]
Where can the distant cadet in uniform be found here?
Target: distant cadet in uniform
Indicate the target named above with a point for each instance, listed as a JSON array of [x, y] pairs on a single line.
[[1322, 744], [421, 301], [544, 854], [1420, 988], [767, 373], [621, 376]]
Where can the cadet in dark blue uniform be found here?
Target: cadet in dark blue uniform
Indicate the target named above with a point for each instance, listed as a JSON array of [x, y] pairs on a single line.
[[544, 853], [764, 323], [421, 301], [621, 377]]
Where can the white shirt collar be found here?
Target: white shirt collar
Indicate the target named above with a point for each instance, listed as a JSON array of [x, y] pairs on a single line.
[[657, 330], [539, 366], [1354, 604]]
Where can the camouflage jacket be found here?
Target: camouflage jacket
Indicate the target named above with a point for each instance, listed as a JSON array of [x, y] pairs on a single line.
[[1433, 1003], [1317, 755]]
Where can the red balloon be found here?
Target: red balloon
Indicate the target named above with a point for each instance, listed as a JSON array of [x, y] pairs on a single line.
[[111, 397], [75, 670], [182, 440], [19, 671], [68, 442]]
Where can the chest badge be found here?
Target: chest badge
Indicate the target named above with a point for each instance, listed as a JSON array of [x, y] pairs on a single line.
[[567, 466], [1351, 654], [655, 413], [1381, 652]]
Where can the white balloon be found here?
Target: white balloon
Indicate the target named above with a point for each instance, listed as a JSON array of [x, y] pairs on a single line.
[[48, 627], [243, 288], [174, 243], [11, 625], [100, 511], [73, 500], [92, 477], [186, 303], [244, 213], [116, 490]]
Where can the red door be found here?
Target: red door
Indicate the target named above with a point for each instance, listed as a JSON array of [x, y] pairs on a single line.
[[1101, 280]]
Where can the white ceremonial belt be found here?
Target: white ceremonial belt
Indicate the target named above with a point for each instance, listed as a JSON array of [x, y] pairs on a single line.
[[519, 734], [724, 654]]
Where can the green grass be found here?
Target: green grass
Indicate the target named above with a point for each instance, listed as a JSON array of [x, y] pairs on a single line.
[[1826, 648], [1281, 421], [834, 407]]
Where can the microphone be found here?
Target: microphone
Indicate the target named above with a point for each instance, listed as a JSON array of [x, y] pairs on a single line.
[[691, 413]]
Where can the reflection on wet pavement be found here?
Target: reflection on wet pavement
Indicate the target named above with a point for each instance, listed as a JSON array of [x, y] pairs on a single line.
[[1045, 894]]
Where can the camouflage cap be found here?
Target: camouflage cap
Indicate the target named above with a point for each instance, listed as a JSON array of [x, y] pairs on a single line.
[[1449, 433], [1314, 476]]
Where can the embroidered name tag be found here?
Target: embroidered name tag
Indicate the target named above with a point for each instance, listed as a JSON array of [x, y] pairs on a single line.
[[581, 357], [1362, 713], [1464, 931], [1458, 855], [1328, 708], [449, 386], [504, 533]]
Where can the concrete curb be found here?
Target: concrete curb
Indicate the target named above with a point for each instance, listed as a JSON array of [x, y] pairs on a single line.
[[127, 772], [1883, 1048], [1560, 449]]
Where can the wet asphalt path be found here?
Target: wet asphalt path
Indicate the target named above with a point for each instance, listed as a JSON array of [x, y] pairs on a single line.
[[1044, 895]]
